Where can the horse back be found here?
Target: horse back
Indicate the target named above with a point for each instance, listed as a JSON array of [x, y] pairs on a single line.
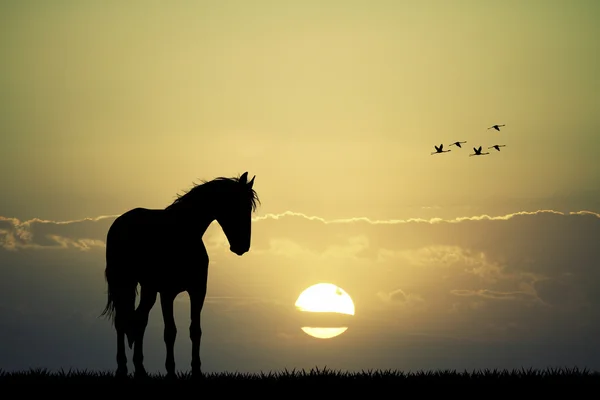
[[153, 236]]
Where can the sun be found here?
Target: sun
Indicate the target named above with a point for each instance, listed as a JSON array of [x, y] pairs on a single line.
[[323, 333], [325, 298]]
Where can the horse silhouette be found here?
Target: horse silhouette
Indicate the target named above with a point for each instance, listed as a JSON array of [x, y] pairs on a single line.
[[162, 251]]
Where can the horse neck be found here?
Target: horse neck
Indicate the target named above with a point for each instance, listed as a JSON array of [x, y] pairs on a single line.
[[193, 220]]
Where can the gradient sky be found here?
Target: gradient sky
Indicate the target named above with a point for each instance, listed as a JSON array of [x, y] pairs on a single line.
[[452, 261]]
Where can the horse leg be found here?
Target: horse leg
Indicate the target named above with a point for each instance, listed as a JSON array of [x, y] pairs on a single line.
[[166, 303], [197, 297], [121, 355], [147, 300], [124, 308]]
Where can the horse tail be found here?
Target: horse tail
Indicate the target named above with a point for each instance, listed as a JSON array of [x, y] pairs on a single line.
[[109, 309], [120, 305]]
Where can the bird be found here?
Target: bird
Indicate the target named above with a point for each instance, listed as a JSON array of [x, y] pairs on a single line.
[[477, 152], [457, 144], [497, 146], [439, 149], [496, 127]]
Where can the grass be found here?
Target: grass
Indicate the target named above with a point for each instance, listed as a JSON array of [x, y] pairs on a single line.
[[309, 379]]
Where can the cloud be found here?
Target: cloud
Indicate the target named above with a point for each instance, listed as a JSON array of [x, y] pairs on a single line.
[[523, 255], [534, 252], [36, 233], [87, 232], [494, 295], [413, 220], [524, 277], [399, 297]]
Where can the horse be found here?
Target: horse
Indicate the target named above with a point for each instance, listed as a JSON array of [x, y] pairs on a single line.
[[162, 251]]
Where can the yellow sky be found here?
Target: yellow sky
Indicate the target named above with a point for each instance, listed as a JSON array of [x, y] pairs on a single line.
[[335, 106]]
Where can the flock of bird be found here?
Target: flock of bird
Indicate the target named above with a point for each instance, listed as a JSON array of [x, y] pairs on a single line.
[[477, 151]]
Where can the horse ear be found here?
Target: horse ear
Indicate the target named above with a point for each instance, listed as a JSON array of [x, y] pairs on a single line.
[[244, 178], [251, 182]]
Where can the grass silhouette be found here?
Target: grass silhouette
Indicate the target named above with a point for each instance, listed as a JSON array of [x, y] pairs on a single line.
[[378, 379]]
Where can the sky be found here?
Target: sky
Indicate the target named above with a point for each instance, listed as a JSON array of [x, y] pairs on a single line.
[[451, 261]]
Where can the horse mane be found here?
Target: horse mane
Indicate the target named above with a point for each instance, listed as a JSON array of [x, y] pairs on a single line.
[[198, 191]]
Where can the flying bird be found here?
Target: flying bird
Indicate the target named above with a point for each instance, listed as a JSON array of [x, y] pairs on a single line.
[[457, 144], [497, 146], [439, 149], [477, 152], [496, 127]]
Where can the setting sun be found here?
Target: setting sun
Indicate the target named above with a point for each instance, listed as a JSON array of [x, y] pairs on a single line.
[[323, 333], [325, 298]]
